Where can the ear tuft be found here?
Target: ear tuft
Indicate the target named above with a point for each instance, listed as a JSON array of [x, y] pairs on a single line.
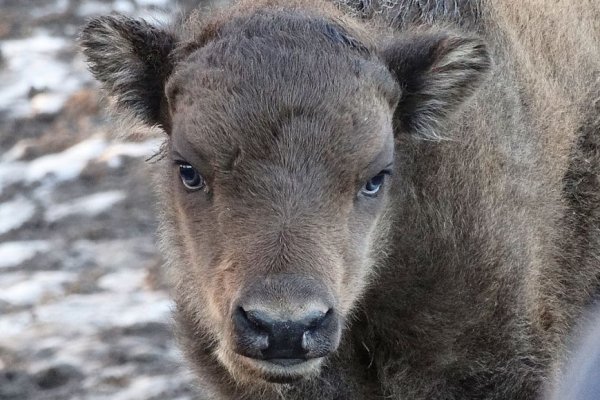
[[437, 74], [131, 59]]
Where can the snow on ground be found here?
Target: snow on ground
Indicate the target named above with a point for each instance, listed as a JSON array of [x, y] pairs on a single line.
[[34, 288], [114, 154], [91, 205], [32, 65], [15, 253], [59, 6], [91, 8], [123, 281], [68, 164], [78, 314], [157, 3], [14, 213], [84, 310]]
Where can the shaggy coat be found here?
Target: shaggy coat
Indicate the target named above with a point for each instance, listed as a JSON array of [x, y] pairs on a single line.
[[462, 277]]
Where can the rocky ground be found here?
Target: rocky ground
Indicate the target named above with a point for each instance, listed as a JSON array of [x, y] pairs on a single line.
[[84, 312]]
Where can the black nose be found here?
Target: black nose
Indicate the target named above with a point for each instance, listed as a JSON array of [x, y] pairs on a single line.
[[260, 335]]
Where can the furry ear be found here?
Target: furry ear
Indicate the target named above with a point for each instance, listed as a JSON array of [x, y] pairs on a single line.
[[131, 59], [437, 73]]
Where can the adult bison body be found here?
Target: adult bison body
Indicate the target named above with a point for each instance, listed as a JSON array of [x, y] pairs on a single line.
[[368, 200]]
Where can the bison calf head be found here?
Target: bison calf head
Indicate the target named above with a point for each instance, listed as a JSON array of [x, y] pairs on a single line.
[[279, 166]]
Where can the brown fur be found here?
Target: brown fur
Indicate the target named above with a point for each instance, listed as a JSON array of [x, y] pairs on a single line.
[[464, 277]]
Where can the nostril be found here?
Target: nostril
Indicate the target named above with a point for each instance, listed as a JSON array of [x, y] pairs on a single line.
[[250, 320], [319, 319], [251, 339], [242, 315], [259, 320], [317, 323]]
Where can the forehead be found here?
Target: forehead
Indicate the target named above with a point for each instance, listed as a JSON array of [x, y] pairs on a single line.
[[275, 83]]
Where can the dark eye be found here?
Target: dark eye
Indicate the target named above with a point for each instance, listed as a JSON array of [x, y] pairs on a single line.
[[190, 178], [374, 184]]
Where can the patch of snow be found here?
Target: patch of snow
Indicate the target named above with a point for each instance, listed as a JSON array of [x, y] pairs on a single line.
[[59, 7], [114, 154], [146, 387], [14, 253], [92, 8], [14, 325], [66, 165], [113, 255], [36, 287], [124, 6], [38, 43], [11, 173], [123, 281], [61, 348], [43, 195], [16, 152], [32, 63], [8, 279], [71, 30], [155, 3], [48, 103], [91, 205], [15, 213], [85, 314]]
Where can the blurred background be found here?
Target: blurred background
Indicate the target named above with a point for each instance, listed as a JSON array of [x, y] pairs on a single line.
[[84, 310]]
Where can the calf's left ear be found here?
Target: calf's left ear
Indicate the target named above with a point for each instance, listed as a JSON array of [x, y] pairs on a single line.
[[437, 73], [131, 59]]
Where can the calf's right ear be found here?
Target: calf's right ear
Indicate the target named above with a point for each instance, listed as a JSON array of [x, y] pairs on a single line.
[[131, 59]]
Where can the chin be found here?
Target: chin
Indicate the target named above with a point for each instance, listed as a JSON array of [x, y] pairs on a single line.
[[244, 369]]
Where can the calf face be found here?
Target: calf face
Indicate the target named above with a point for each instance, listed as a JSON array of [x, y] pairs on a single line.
[[279, 167]]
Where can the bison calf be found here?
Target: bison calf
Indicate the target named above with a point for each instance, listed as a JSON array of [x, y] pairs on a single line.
[[365, 200]]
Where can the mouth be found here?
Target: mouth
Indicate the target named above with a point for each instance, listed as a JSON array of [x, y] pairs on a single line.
[[287, 362], [283, 370]]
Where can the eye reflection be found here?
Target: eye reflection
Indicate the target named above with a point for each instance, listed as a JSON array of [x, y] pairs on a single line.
[[190, 178], [374, 185]]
